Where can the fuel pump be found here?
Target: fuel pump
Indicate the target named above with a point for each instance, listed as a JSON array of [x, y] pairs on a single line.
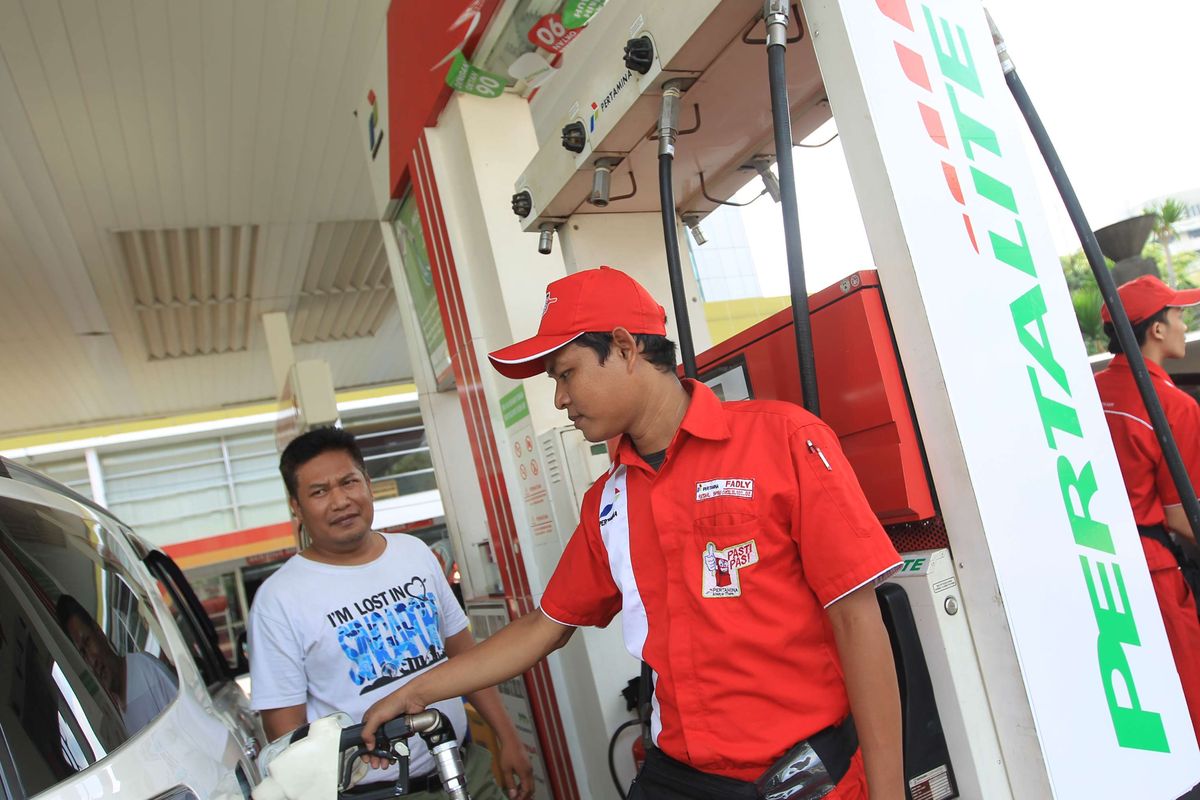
[[960, 622]]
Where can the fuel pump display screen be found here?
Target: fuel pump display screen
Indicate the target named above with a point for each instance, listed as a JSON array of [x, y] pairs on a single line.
[[730, 380]]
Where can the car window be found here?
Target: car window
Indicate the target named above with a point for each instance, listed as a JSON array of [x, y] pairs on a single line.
[[79, 640], [189, 616]]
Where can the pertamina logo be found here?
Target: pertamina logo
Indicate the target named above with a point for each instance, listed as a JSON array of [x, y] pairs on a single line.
[[374, 132], [600, 107], [609, 512]]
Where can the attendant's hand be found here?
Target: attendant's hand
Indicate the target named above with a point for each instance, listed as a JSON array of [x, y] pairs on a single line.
[[398, 703], [516, 769]]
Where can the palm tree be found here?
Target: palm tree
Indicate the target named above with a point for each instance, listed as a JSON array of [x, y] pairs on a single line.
[[1166, 214]]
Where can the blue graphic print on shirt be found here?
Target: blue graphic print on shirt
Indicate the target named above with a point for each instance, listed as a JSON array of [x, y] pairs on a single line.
[[390, 634]]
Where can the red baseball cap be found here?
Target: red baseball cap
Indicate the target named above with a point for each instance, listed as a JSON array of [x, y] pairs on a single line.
[[1145, 296], [590, 301]]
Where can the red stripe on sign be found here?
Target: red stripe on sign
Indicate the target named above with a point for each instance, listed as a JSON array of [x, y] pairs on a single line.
[[933, 125], [952, 181], [913, 66], [226, 540], [897, 11], [489, 471], [971, 232]]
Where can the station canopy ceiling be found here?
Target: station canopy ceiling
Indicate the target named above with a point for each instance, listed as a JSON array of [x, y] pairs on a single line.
[[168, 173]]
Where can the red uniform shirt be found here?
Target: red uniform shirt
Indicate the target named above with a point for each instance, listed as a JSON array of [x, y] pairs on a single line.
[[1147, 478], [1150, 488], [722, 564]]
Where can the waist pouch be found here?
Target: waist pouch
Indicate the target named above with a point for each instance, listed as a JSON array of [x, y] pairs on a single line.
[[1189, 569], [811, 768]]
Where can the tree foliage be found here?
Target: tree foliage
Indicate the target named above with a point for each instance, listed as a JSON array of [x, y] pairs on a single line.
[[1085, 295]]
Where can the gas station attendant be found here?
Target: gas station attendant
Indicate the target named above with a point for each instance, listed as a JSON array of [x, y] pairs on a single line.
[[738, 545]]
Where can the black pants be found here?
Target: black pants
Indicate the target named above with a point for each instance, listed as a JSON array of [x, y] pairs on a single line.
[[664, 778]]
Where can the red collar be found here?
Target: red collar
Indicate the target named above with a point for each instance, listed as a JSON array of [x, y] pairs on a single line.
[[1121, 362], [704, 419]]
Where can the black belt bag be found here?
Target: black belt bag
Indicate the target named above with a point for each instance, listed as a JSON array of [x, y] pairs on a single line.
[[811, 768], [1188, 567]]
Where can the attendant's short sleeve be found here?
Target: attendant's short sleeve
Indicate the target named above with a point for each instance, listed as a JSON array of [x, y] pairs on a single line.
[[277, 678], [1183, 414], [581, 590], [842, 545]]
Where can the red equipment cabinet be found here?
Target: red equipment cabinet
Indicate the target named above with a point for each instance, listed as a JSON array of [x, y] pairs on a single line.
[[862, 390]]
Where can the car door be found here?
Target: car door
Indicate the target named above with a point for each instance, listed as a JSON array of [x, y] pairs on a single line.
[[219, 675]]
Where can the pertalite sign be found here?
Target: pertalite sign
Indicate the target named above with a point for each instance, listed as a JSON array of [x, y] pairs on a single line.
[[1008, 408]]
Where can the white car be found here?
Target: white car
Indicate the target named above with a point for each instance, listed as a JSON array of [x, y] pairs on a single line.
[[111, 682]]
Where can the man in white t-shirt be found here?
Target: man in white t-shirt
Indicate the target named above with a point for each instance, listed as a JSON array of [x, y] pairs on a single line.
[[358, 614]]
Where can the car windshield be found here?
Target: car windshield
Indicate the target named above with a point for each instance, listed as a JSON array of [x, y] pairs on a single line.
[[79, 641]]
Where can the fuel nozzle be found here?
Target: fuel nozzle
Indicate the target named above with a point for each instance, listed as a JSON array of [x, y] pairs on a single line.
[[438, 733]]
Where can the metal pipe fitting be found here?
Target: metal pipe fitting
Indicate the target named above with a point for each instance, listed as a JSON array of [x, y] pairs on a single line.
[[546, 239], [763, 167], [692, 221], [1006, 62], [602, 182], [776, 13], [668, 119]]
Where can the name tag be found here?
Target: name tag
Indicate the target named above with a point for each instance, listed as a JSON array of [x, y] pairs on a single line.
[[724, 487]]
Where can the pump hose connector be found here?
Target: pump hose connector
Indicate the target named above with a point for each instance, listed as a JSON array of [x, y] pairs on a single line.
[[668, 119], [775, 14], [1006, 62]]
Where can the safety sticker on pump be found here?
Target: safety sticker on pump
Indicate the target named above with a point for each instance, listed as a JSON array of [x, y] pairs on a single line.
[[933, 785]]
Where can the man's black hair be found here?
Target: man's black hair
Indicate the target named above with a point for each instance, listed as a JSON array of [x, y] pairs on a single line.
[[658, 350], [68, 608], [1139, 331], [306, 447]]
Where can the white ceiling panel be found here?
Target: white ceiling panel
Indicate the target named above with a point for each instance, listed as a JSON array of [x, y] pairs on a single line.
[[170, 170]]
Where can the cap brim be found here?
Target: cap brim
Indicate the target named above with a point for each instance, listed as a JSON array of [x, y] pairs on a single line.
[[524, 359], [1185, 298]]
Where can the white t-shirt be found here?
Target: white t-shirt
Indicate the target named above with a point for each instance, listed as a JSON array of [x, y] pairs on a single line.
[[339, 638]]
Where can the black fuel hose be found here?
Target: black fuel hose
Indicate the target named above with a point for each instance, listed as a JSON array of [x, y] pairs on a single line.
[[666, 191], [1108, 288], [781, 115], [612, 749]]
